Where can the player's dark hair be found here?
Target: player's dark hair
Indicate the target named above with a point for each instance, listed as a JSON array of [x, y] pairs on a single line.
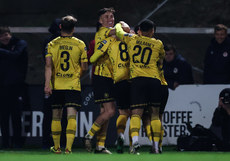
[[68, 23], [136, 28], [101, 12], [4, 29], [147, 25], [220, 27], [168, 47]]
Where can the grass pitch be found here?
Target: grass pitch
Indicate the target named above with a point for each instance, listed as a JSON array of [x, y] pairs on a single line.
[[169, 154]]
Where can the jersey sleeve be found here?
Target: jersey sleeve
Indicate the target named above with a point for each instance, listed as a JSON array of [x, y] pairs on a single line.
[[83, 53], [49, 49], [100, 50], [122, 35], [162, 51]]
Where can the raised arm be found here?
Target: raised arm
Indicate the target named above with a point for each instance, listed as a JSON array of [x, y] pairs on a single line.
[[119, 31], [100, 50]]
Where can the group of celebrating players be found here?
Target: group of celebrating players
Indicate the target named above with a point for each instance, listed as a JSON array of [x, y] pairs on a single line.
[[128, 75]]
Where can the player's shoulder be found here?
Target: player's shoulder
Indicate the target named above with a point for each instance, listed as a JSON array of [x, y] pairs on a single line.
[[103, 31], [54, 41], [130, 35], [79, 41], [157, 40]]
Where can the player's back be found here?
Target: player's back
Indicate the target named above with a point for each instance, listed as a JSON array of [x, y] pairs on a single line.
[[144, 54], [118, 54], [67, 53]]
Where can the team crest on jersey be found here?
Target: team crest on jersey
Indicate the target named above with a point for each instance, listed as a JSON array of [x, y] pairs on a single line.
[[175, 70], [225, 54], [85, 49]]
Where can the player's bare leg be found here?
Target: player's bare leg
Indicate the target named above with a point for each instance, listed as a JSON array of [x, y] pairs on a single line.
[[109, 111]]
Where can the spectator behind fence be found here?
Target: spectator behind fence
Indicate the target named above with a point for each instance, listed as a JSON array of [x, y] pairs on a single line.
[[13, 69], [221, 120], [217, 58], [177, 70]]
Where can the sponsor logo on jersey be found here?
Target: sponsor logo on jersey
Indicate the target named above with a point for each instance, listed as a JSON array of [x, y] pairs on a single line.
[[64, 75], [104, 41]]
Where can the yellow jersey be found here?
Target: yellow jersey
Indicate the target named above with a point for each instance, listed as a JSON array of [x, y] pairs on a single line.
[[67, 54], [118, 55], [162, 78], [144, 53], [103, 66]]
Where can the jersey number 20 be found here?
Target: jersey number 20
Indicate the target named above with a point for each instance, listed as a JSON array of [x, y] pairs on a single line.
[[145, 55]]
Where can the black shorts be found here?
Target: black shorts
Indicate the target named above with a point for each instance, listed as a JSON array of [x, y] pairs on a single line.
[[66, 98], [103, 89], [122, 94], [145, 92], [164, 98]]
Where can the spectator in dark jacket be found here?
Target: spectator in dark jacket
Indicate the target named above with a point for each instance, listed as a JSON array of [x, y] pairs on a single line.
[[13, 69], [221, 120], [176, 69], [217, 58]]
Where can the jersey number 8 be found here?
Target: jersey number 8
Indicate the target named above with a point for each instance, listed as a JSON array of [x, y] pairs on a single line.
[[123, 52]]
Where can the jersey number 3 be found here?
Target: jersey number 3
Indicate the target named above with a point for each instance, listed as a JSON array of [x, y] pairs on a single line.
[[65, 64]]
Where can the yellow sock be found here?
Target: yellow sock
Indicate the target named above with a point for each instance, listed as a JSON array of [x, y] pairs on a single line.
[[135, 125], [95, 128], [70, 131], [121, 123], [56, 132], [156, 127], [162, 135], [149, 132], [101, 136]]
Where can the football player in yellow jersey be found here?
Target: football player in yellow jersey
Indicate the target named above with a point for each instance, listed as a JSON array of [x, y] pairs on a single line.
[[146, 118], [102, 84], [119, 57], [65, 59], [145, 53]]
